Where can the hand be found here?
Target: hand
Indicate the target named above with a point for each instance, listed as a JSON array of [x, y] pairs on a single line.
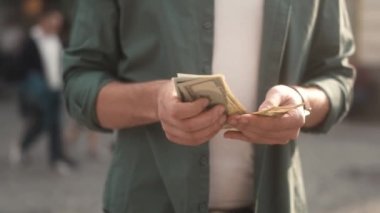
[[270, 130], [188, 123]]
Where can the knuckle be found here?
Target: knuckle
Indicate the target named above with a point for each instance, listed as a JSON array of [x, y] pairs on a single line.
[[174, 113], [188, 127]]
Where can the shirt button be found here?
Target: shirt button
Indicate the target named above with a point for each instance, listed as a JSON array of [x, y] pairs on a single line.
[[203, 161], [207, 25], [203, 207]]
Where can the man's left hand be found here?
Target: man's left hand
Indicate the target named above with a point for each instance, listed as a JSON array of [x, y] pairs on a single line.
[[270, 130]]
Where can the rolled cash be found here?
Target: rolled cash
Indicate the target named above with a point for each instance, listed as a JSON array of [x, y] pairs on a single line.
[[214, 87]]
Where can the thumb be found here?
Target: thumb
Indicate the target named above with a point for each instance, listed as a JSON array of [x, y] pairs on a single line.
[[272, 99]]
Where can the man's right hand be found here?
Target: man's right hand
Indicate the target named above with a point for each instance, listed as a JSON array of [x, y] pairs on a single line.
[[188, 123]]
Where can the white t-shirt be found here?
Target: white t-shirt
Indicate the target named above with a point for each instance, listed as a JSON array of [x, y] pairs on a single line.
[[50, 49], [237, 39]]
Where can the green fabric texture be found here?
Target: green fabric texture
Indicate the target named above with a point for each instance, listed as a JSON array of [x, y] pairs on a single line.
[[304, 43]]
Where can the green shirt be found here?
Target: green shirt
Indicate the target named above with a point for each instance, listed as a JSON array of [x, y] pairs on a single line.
[[304, 42]]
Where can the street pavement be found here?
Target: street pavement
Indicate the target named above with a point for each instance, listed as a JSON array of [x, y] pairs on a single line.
[[342, 171]]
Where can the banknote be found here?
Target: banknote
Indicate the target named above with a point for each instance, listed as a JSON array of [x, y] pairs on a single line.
[[214, 87], [277, 111]]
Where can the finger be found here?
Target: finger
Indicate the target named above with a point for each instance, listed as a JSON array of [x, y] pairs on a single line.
[[237, 135], [194, 138], [233, 120], [260, 123], [183, 110], [275, 135], [201, 121], [272, 133], [181, 141], [204, 120], [280, 95], [272, 99]]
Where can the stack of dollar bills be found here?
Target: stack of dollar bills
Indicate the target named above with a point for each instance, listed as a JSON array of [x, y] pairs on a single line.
[[214, 87]]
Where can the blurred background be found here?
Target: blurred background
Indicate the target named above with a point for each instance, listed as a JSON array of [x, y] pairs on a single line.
[[342, 168]]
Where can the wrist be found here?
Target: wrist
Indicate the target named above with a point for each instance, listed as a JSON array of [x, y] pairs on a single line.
[[161, 93], [302, 93], [316, 99]]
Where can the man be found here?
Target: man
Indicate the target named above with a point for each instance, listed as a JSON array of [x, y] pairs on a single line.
[[40, 98], [118, 67]]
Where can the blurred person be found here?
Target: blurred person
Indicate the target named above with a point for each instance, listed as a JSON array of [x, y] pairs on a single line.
[[40, 96], [172, 156]]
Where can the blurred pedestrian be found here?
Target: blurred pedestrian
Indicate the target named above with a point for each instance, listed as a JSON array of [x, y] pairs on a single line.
[[40, 96]]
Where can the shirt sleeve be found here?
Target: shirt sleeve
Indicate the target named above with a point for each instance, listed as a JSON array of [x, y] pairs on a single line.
[[328, 66], [91, 59]]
